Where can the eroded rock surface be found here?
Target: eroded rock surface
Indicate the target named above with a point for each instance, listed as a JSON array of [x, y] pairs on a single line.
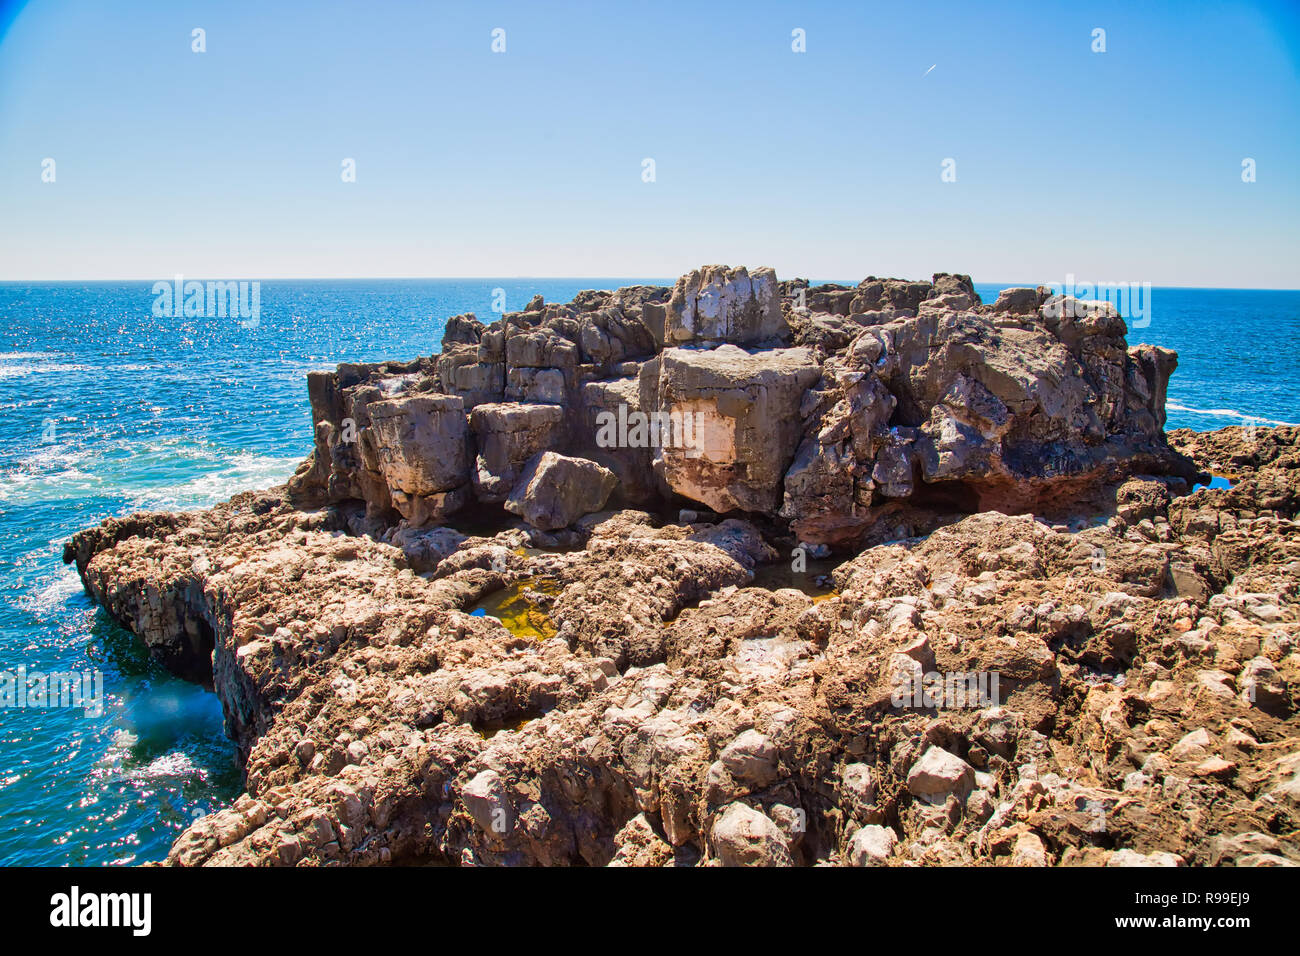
[[554, 491], [742, 412], [734, 391], [1001, 502]]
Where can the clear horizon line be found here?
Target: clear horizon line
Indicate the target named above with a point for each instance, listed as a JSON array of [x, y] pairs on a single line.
[[556, 278]]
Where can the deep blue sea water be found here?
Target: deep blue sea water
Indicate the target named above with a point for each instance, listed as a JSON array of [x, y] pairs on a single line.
[[107, 409]]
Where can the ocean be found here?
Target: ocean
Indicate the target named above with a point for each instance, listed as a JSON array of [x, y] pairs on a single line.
[[109, 409]]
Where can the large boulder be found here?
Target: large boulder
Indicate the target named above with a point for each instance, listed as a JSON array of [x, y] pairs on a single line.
[[422, 454], [508, 434], [554, 491], [743, 836], [541, 366], [488, 803], [720, 304], [751, 758], [1020, 300], [740, 424], [872, 846], [939, 774]]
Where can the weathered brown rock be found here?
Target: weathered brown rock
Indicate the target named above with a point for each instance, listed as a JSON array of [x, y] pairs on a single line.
[[507, 436], [666, 709], [742, 411], [718, 304], [420, 444], [553, 491]]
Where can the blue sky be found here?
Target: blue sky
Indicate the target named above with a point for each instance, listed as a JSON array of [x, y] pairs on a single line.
[[1115, 166]]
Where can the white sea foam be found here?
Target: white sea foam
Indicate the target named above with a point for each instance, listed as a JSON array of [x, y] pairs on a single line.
[[60, 473], [1225, 413], [24, 369], [244, 472], [22, 364], [50, 472], [48, 599], [174, 764]]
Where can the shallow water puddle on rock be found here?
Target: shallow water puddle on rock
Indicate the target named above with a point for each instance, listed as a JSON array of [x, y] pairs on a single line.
[[1217, 481], [491, 728], [521, 615], [814, 580]]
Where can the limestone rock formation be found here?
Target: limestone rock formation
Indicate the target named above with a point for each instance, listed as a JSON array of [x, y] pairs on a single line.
[[508, 434], [740, 415], [1042, 640], [420, 447], [717, 304], [893, 393], [554, 491]]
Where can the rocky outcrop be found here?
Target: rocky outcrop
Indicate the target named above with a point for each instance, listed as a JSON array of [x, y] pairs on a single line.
[[716, 304], [420, 446], [507, 436], [739, 423], [554, 491], [1043, 639], [977, 409], [822, 407]]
